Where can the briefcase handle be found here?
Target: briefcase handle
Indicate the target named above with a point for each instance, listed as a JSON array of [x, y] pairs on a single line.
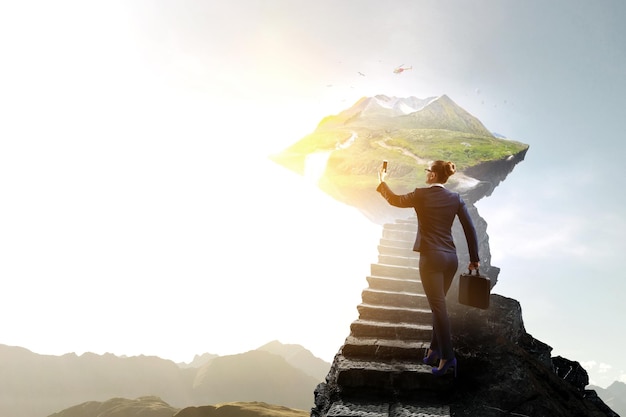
[[469, 271]]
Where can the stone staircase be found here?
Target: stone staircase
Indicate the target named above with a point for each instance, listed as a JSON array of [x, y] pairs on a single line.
[[379, 370]]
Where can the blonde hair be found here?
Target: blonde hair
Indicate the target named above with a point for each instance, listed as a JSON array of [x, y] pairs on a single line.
[[443, 170]]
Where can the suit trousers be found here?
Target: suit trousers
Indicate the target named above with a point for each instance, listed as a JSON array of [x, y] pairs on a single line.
[[437, 270]]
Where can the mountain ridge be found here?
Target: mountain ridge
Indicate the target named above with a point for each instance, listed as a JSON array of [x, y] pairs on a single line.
[[155, 407], [614, 396], [379, 105], [443, 113], [439, 112], [148, 406], [36, 385], [245, 377]]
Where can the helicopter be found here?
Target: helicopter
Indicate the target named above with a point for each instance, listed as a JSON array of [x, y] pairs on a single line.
[[400, 69]]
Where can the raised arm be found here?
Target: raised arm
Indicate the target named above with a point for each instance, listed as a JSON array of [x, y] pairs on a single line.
[[402, 201]]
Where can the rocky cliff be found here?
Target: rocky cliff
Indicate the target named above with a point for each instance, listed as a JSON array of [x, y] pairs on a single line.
[[502, 370]]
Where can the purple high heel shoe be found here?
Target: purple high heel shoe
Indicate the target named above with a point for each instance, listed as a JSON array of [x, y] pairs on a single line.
[[430, 358], [450, 363]]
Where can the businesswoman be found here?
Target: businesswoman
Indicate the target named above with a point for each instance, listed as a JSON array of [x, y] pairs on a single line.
[[436, 207]]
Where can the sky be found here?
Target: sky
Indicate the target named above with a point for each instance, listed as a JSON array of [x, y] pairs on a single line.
[[140, 212]]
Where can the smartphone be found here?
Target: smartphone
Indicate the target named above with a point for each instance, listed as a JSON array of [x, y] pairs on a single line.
[[385, 166]]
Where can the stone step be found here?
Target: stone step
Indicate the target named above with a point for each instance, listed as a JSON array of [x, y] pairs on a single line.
[[394, 271], [416, 409], [419, 410], [403, 244], [403, 235], [399, 224], [411, 261], [392, 298], [392, 377], [391, 331], [397, 251], [382, 349], [396, 284], [383, 409], [358, 409], [392, 314]]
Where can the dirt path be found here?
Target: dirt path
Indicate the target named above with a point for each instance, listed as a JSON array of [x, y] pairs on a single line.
[[463, 181], [383, 144]]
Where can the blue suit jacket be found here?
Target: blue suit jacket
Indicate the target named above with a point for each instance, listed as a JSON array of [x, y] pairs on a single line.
[[436, 208]]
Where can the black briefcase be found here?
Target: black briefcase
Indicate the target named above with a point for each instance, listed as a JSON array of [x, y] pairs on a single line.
[[474, 289]]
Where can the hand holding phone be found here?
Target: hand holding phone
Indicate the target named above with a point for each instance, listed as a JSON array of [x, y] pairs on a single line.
[[383, 172]]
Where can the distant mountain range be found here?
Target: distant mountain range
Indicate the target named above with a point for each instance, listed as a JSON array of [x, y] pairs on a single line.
[[33, 385], [155, 407], [614, 396], [274, 380]]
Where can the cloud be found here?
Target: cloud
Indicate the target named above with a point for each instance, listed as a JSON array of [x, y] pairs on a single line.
[[597, 368], [551, 224], [529, 231], [604, 368]]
